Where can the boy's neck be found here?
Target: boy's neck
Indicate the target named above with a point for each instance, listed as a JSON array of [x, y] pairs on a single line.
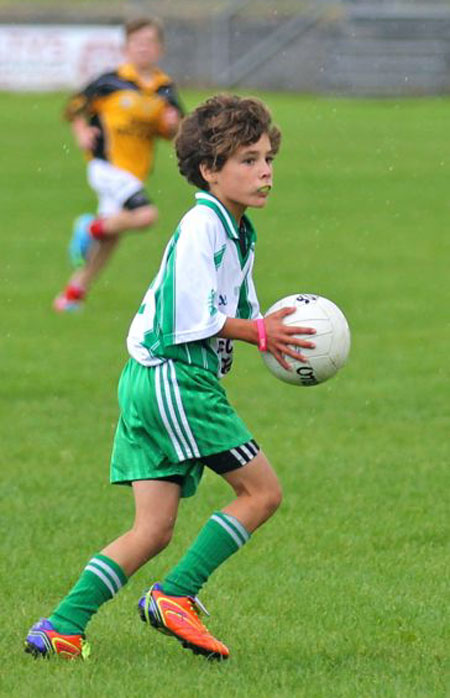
[[145, 74], [236, 210]]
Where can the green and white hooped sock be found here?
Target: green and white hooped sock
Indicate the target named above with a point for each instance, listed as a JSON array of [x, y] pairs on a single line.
[[220, 537], [99, 582]]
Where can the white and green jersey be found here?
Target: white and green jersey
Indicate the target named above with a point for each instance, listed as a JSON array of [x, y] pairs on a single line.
[[205, 276]]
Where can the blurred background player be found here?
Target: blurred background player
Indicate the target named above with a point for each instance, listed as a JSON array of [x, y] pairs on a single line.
[[116, 120]]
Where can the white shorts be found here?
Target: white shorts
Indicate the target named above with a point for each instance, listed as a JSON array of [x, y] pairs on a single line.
[[112, 185]]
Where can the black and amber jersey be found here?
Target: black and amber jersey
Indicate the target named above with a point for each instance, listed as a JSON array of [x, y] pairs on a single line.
[[128, 113]]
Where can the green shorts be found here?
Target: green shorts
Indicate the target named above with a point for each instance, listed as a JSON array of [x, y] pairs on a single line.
[[171, 416]]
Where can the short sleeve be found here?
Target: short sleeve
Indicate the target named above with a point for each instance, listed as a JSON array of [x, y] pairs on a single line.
[[190, 301]]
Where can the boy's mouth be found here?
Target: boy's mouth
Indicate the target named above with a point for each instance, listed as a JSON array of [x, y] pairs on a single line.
[[265, 189]]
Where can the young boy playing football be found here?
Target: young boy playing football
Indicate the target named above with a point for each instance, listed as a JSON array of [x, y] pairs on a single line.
[[115, 121], [175, 417]]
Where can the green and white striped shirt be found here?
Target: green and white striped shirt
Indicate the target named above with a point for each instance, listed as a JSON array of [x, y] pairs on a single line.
[[205, 276]]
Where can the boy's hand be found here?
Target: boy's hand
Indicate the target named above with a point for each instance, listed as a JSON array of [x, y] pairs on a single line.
[[281, 339], [85, 135], [88, 138], [171, 121]]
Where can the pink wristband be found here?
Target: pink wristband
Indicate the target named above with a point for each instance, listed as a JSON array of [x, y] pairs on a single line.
[[262, 336]]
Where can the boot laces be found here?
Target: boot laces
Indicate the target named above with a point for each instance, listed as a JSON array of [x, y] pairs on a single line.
[[197, 606]]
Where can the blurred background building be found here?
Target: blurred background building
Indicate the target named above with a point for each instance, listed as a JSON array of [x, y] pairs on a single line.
[[341, 47]]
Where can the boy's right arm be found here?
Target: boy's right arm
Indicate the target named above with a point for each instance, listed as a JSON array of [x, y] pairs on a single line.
[[78, 111], [280, 337], [174, 112], [84, 134]]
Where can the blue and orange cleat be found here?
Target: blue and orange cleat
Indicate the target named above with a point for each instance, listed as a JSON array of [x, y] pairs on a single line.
[[81, 241], [44, 641], [179, 616]]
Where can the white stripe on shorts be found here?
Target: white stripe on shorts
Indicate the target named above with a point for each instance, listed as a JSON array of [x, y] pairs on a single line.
[[238, 456], [252, 448], [247, 452], [184, 418], [175, 422], [163, 414]]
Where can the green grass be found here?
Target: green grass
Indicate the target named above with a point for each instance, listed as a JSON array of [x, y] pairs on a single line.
[[344, 593]]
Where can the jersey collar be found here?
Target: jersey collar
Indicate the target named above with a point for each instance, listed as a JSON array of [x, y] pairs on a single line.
[[205, 198], [129, 72]]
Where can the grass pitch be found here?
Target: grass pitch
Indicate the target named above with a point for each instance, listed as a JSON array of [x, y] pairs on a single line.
[[344, 594]]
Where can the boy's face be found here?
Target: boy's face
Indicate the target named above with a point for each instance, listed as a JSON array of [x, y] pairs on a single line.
[[245, 179], [144, 48]]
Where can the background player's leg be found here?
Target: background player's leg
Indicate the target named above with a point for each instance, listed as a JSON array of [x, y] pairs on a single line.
[[136, 219], [101, 252], [99, 255]]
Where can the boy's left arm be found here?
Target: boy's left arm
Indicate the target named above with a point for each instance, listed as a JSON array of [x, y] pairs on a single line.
[[280, 338]]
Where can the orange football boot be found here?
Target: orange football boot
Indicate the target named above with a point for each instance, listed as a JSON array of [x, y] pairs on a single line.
[[179, 616], [43, 641]]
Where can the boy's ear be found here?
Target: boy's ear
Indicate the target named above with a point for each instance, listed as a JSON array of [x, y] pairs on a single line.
[[208, 175]]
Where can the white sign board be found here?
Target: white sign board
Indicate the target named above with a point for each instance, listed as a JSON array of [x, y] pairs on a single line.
[[53, 57]]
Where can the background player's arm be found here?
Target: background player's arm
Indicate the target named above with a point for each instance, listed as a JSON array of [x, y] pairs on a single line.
[[172, 114], [169, 122], [84, 134], [280, 337], [78, 112]]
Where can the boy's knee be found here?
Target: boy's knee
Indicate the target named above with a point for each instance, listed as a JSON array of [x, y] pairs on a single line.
[[152, 540], [159, 539], [273, 499], [165, 537], [267, 502]]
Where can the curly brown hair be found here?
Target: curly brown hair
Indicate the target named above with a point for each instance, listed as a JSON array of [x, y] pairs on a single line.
[[216, 129]]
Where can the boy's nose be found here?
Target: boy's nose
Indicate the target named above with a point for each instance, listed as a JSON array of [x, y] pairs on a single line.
[[266, 171]]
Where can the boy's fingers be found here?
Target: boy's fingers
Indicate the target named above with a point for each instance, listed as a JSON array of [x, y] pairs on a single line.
[[297, 355], [287, 311], [289, 352], [299, 342], [280, 314], [291, 329], [281, 361]]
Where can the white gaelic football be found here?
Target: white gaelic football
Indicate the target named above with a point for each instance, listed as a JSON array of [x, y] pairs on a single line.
[[332, 340]]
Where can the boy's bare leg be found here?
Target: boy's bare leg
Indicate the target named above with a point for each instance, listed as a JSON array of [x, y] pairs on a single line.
[[258, 496], [156, 507], [258, 492], [107, 572], [168, 606]]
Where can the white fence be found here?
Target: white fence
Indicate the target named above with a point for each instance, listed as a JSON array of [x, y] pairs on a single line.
[[53, 57], [342, 47]]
